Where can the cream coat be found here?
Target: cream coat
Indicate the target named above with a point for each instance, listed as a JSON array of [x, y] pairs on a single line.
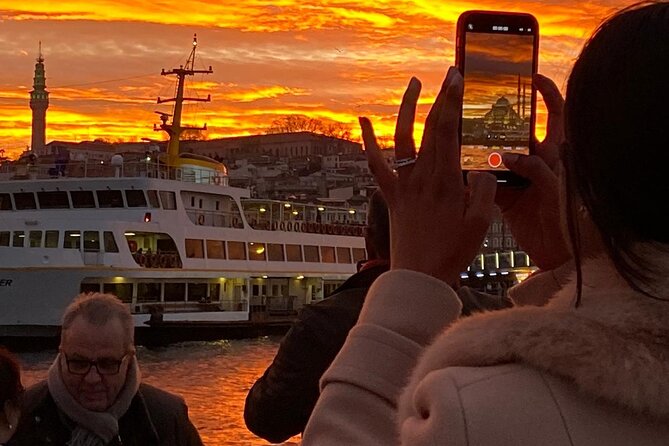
[[534, 375]]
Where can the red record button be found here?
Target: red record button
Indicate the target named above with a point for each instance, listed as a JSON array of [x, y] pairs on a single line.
[[495, 160]]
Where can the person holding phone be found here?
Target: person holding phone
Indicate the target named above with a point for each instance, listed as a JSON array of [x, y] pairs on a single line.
[[587, 367]]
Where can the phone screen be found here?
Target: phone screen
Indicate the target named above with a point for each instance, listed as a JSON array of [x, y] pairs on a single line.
[[498, 105]]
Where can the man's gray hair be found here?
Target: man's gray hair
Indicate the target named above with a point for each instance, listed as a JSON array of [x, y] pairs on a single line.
[[98, 309]]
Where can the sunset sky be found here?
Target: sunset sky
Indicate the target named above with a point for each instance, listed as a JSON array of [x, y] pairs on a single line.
[[327, 59]]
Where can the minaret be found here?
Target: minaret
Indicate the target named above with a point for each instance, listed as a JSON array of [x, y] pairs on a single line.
[[39, 102]]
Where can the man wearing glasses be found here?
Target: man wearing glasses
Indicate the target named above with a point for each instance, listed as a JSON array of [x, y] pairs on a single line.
[[93, 395]]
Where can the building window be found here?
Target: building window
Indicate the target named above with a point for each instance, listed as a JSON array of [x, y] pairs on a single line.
[[82, 199], [53, 200], [195, 248], [4, 238]]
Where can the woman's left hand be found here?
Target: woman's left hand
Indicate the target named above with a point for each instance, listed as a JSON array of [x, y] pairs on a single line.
[[437, 224]]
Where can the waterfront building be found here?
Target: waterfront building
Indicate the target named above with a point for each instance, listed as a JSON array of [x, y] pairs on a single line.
[[39, 102]]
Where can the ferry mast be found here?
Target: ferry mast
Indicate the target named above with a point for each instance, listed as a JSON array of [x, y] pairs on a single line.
[[175, 128]]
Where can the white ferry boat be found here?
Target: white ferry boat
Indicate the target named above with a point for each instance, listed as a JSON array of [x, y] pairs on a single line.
[[168, 236]]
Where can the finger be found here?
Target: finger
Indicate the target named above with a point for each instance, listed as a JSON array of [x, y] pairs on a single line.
[[533, 168], [427, 146], [377, 164], [555, 105], [405, 147], [481, 203], [448, 126]]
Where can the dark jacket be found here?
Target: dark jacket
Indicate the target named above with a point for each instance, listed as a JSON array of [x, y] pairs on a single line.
[[280, 403], [155, 417]]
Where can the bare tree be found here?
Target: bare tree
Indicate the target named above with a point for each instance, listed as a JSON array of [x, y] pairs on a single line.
[[302, 123]]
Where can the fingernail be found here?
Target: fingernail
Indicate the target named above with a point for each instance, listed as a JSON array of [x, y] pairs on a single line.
[[510, 158]]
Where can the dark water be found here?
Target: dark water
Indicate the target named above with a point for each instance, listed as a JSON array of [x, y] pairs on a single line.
[[213, 377]]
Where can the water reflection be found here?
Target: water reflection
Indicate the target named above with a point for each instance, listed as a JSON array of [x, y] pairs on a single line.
[[213, 377]]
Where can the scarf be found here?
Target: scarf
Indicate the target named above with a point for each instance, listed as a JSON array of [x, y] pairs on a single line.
[[93, 428]]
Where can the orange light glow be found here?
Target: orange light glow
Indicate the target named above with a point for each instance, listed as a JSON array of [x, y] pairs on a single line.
[[325, 59]]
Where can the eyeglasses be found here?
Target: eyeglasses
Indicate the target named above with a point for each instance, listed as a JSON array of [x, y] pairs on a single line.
[[104, 366]]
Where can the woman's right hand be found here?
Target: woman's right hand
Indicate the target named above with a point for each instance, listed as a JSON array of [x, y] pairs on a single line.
[[534, 213], [437, 224]]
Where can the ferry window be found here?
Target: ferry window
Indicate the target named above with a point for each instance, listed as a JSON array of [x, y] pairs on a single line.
[[89, 288], [148, 292], [53, 200], [215, 292], [215, 249], [153, 198], [4, 238], [236, 251], [169, 199], [135, 198], [24, 200], [5, 202], [110, 242], [197, 292], [328, 254], [194, 248], [294, 253], [311, 253], [257, 251], [275, 252], [82, 199], [109, 198], [359, 254], [35, 239], [19, 239], [343, 255], [51, 239], [72, 240], [175, 292], [91, 241], [121, 290]]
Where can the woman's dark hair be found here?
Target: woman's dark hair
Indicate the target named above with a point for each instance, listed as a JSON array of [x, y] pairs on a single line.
[[617, 128], [10, 377]]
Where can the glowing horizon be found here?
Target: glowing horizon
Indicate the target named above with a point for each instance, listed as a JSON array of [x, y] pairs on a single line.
[[326, 59]]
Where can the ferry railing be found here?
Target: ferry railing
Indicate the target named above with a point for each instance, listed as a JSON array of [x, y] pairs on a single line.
[[199, 306], [102, 169]]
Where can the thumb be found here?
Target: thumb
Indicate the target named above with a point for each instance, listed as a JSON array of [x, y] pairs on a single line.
[[531, 167], [481, 200]]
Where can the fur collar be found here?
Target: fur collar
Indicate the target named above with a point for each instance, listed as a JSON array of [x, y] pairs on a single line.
[[615, 346]]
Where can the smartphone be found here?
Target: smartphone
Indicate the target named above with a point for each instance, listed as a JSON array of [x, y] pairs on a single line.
[[496, 53]]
